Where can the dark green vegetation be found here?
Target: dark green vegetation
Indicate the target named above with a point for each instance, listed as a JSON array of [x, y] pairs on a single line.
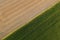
[[43, 27]]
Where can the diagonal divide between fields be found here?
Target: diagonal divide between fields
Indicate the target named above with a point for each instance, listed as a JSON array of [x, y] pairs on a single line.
[[43, 27]]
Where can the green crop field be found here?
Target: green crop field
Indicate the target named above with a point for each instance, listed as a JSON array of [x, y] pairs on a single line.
[[43, 27]]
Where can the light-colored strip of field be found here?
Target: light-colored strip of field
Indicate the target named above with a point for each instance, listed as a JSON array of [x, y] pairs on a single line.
[[16, 13]]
